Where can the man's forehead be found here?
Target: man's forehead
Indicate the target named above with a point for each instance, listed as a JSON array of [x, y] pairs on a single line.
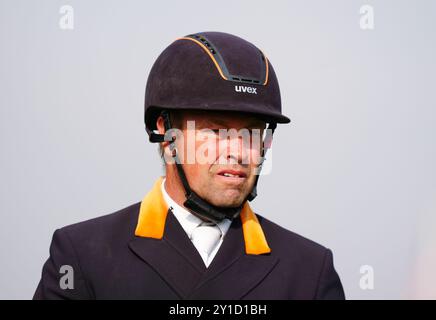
[[224, 119]]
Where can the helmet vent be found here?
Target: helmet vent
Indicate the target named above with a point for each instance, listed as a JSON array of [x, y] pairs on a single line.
[[246, 80], [208, 46], [206, 43]]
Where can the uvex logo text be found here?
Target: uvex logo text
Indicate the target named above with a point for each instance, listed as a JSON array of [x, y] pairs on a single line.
[[245, 89]]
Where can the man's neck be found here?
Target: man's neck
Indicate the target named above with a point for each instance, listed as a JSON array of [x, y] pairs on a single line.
[[174, 187]]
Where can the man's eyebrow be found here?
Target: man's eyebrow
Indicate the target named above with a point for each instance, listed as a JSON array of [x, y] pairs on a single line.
[[212, 122]]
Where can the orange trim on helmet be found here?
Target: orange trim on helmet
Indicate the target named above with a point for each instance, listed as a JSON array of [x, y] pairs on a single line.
[[267, 70], [208, 52]]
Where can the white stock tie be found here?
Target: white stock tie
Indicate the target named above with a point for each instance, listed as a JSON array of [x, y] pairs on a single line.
[[205, 237]]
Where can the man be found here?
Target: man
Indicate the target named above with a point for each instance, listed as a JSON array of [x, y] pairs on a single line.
[[194, 235]]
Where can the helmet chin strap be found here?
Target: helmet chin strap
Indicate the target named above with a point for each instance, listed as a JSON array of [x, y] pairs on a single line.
[[197, 205]]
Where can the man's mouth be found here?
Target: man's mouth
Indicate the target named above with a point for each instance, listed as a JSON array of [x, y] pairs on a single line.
[[235, 174], [226, 174]]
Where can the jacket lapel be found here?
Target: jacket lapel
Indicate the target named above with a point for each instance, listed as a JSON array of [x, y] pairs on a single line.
[[233, 272], [174, 257]]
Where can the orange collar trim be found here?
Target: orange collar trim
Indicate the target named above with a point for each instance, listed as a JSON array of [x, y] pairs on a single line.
[[153, 213]]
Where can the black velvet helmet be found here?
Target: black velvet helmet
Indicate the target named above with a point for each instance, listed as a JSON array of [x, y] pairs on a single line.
[[213, 71]]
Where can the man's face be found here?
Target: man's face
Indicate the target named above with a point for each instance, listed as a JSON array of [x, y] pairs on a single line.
[[220, 153]]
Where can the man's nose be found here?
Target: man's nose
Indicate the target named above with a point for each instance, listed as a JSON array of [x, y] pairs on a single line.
[[238, 150]]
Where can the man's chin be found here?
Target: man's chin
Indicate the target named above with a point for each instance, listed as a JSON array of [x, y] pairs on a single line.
[[229, 203], [227, 198]]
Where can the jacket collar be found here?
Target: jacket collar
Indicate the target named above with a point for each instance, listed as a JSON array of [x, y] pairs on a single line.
[[153, 215]]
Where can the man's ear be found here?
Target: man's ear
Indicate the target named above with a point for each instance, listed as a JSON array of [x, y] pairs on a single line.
[[160, 125]]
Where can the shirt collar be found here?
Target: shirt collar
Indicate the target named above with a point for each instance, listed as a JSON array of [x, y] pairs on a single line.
[[189, 221]]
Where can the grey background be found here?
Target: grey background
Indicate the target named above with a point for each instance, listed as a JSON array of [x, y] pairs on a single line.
[[354, 171]]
